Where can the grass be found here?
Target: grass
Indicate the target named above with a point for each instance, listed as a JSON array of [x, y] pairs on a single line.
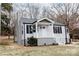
[[17, 50], [39, 51]]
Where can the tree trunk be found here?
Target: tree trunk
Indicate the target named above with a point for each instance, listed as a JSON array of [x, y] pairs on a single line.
[[14, 34], [69, 31]]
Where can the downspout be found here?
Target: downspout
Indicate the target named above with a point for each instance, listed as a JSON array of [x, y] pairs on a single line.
[[65, 35], [24, 36]]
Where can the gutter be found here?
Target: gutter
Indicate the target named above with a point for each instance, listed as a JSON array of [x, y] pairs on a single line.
[[24, 36]]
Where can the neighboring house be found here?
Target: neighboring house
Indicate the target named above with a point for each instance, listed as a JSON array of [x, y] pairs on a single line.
[[45, 30], [75, 31]]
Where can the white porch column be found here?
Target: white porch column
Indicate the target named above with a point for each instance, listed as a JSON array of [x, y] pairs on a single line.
[[36, 30]]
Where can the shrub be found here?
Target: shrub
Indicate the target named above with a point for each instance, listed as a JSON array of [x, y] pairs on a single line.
[[55, 44], [4, 42], [32, 41]]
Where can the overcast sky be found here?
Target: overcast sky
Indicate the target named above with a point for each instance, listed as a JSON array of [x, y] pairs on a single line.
[[21, 6], [40, 1]]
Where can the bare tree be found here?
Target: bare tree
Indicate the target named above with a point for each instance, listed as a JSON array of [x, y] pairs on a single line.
[[33, 10], [66, 12], [28, 10]]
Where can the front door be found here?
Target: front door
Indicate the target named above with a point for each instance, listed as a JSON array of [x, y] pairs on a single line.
[[43, 31]]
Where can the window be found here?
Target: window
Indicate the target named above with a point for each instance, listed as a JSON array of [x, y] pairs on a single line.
[[27, 26], [29, 29], [42, 27], [34, 28], [57, 29]]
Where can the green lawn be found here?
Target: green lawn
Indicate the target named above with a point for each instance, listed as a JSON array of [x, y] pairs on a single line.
[[15, 49]]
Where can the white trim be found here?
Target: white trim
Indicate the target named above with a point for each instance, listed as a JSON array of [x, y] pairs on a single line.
[[36, 30], [46, 19], [44, 23]]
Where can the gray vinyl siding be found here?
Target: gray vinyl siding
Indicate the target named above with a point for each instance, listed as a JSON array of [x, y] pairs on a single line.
[[50, 41], [47, 41]]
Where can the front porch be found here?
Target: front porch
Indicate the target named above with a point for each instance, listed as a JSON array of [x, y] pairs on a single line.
[[44, 29]]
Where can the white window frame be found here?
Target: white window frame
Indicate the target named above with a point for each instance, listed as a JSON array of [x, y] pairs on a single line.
[[57, 29], [29, 29]]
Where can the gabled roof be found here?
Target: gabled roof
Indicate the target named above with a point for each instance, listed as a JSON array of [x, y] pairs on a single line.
[[46, 19], [28, 20]]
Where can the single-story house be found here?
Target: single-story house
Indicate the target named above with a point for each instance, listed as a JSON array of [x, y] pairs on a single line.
[[45, 30]]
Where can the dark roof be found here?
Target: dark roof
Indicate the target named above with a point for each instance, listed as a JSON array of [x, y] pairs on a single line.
[[59, 23], [28, 20]]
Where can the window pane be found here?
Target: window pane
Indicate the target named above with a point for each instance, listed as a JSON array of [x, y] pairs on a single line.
[[54, 29], [30, 28], [34, 28], [60, 29], [27, 28]]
